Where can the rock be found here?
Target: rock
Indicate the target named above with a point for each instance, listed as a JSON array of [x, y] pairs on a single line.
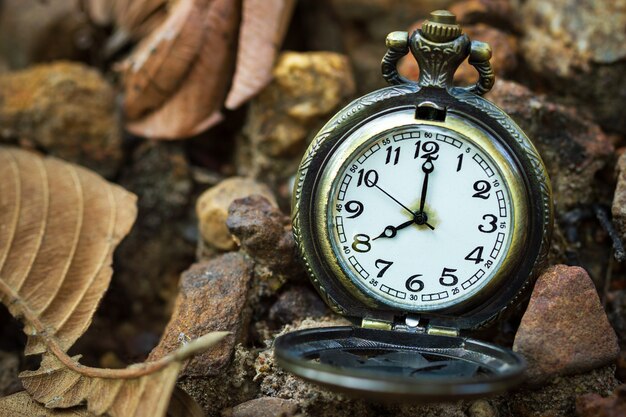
[[503, 61], [619, 198], [65, 109], [578, 47], [234, 385], [573, 148], [212, 209], [594, 405], [307, 88], [296, 304], [564, 330], [264, 407], [497, 13], [9, 369], [212, 297], [482, 408], [265, 234]]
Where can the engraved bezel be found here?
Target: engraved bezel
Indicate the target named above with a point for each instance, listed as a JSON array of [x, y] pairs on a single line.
[[527, 180]]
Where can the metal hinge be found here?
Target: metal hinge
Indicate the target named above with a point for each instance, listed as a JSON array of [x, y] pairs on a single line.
[[370, 323], [442, 331]]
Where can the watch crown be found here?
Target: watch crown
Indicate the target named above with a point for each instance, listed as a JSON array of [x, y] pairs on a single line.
[[441, 27]]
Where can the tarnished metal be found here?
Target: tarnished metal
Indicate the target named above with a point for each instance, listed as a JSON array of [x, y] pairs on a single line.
[[439, 47], [431, 101]]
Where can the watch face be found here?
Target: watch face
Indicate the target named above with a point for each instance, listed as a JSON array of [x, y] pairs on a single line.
[[420, 217]]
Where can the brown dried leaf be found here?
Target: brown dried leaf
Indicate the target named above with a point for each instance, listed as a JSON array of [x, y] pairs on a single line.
[[141, 390], [263, 27], [59, 225], [138, 18], [161, 61], [22, 405], [196, 104]]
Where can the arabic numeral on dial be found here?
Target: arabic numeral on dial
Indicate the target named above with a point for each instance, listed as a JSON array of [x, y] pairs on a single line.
[[496, 183], [426, 150], [346, 250], [492, 224], [392, 155], [476, 255], [448, 278], [355, 208], [414, 284], [373, 282], [361, 243], [384, 266], [353, 168], [482, 189], [370, 178], [459, 165]]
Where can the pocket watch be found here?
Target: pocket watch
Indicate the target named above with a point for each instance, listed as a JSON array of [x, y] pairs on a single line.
[[421, 212]]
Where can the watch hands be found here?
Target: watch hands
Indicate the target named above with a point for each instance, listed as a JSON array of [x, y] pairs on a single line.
[[390, 231], [419, 218], [394, 199], [428, 168]]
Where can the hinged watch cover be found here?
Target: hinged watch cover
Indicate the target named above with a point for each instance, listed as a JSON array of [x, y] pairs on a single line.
[[415, 363]]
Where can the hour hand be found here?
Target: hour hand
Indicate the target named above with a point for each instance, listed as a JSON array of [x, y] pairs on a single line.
[[391, 231]]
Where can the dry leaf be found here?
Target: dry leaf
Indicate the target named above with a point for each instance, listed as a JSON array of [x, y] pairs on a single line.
[[263, 27], [22, 405], [161, 61], [59, 225], [138, 18], [139, 390], [190, 99], [196, 105], [135, 18]]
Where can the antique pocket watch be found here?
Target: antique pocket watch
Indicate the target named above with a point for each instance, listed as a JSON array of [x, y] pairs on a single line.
[[421, 211]]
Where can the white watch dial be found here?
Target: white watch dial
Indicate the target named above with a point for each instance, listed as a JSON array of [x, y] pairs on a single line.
[[420, 217]]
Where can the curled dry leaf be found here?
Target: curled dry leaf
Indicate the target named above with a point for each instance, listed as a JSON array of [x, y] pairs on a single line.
[[59, 225], [134, 18], [195, 106], [161, 61], [22, 405], [263, 27], [176, 80]]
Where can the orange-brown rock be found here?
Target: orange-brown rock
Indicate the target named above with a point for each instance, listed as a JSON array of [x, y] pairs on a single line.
[[306, 90], [594, 405], [572, 146], [66, 109], [212, 208], [565, 329], [212, 297]]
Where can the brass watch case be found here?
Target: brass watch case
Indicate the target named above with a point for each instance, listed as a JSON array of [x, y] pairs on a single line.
[[397, 351], [478, 120]]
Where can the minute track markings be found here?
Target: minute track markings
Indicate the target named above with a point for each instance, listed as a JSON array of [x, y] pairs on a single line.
[[394, 177]]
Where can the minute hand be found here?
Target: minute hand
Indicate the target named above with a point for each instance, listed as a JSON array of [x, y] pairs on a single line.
[[428, 168], [401, 205]]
